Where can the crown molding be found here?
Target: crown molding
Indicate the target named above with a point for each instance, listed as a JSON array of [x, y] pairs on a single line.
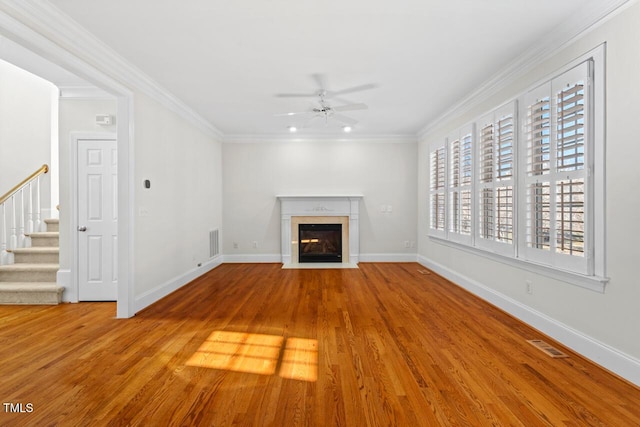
[[37, 25], [281, 137], [586, 20], [83, 92]]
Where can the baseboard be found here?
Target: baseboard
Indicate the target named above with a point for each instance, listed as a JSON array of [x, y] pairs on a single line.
[[252, 259], [174, 284], [270, 258], [604, 355], [388, 257], [63, 278]]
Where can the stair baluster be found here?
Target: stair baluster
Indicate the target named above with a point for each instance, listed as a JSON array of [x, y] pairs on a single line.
[[22, 216], [29, 228], [37, 221], [4, 255], [13, 238], [21, 236]]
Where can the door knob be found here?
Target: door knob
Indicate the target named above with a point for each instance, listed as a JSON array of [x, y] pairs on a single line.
[[83, 228]]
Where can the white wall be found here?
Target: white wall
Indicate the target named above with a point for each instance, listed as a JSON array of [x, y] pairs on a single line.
[[25, 127], [173, 218], [602, 326], [75, 115], [255, 172]]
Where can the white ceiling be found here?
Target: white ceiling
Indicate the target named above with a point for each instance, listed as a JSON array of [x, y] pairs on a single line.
[[228, 59]]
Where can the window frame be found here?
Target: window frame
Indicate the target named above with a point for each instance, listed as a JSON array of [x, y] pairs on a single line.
[[460, 182], [591, 276], [493, 181]]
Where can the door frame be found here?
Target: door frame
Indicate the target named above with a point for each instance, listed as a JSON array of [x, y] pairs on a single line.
[[74, 280], [23, 29]]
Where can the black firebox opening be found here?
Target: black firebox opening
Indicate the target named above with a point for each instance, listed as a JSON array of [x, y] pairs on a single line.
[[320, 242]]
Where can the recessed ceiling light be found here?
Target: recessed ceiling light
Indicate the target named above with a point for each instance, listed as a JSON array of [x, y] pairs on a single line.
[[293, 129], [347, 129]]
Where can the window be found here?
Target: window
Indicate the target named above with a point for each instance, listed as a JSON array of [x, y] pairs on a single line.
[[437, 190], [528, 186], [496, 166], [556, 135], [460, 181]]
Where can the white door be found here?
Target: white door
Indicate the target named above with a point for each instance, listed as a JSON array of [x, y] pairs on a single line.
[[97, 220]]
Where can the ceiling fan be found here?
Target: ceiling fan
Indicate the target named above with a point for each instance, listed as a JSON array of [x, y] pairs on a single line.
[[325, 110]]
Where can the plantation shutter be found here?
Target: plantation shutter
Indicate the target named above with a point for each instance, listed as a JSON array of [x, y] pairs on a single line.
[[557, 189], [496, 169], [460, 185], [437, 207]]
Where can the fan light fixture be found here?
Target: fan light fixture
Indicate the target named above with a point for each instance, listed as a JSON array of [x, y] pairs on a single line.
[[324, 110]]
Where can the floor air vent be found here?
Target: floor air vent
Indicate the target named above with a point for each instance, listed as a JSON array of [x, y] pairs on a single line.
[[548, 349], [214, 245]]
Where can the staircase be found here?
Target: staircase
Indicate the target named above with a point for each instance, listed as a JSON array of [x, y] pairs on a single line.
[[32, 277]]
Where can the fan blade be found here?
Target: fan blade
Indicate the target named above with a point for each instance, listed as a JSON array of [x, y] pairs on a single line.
[[350, 107], [297, 95], [344, 119], [332, 93], [295, 113], [308, 122]]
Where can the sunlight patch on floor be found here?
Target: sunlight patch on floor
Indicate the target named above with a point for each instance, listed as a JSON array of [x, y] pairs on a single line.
[[294, 358]]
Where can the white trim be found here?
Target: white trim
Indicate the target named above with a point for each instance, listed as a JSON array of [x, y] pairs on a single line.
[[585, 20], [608, 357], [412, 257], [63, 278], [265, 138], [77, 92], [277, 258], [126, 206], [253, 258], [172, 285], [593, 283], [313, 205]]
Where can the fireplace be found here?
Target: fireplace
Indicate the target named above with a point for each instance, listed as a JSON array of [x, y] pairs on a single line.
[[330, 209], [320, 243]]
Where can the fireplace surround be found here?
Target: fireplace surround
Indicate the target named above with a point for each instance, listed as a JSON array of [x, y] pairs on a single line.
[[323, 209]]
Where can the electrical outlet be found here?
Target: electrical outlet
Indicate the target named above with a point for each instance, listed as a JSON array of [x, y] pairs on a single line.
[[255, 245], [407, 244], [528, 286], [235, 245]]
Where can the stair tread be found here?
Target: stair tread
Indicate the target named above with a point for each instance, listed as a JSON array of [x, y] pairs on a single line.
[[43, 234], [30, 267], [52, 221], [36, 250], [30, 286]]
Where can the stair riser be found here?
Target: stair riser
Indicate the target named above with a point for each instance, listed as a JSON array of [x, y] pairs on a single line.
[[36, 258], [39, 241], [28, 276], [40, 298], [54, 226]]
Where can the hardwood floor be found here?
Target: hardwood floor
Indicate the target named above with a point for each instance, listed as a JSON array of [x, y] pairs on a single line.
[[252, 344]]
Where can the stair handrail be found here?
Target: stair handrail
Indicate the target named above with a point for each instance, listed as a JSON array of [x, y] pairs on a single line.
[[16, 236], [42, 170]]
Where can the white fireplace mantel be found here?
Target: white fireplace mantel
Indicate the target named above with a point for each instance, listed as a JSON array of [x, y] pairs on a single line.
[[320, 206]]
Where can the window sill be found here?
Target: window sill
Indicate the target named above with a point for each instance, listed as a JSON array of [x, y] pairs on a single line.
[[593, 283]]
